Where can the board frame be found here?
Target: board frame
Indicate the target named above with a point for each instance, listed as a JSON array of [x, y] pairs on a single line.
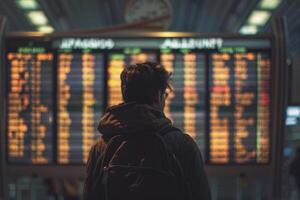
[[43, 170]]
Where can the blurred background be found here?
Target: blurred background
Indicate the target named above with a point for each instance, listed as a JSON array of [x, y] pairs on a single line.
[[33, 23]]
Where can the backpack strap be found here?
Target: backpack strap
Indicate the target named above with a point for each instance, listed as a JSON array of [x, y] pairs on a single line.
[[178, 167], [112, 146]]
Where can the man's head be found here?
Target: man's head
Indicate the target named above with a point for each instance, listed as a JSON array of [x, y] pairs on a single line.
[[145, 83]]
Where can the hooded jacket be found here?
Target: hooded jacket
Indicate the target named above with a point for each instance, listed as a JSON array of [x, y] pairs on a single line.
[[141, 118]]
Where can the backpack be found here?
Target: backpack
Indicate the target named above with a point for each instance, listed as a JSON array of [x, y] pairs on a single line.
[[141, 167]]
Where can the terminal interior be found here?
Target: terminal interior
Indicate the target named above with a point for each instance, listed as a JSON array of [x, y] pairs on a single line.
[[235, 73]]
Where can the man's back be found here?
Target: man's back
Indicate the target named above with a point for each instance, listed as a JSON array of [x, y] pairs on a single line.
[[141, 118]]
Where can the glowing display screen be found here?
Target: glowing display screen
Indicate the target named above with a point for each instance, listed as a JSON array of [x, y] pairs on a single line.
[[185, 106], [59, 88], [80, 104], [30, 103], [239, 107]]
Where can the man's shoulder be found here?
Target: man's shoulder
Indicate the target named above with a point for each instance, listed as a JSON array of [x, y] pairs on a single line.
[[178, 139], [99, 146], [174, 137], [175, 133]]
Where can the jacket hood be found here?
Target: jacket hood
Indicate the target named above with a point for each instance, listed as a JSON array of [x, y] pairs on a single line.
[[131, 118]]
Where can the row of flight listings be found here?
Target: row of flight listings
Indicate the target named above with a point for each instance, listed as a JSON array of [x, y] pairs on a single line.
[[221, 99]]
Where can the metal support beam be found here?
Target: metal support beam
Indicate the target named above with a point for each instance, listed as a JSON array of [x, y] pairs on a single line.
[[280, 84]]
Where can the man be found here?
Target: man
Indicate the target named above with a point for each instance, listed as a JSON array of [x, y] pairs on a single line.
[[144, 88]]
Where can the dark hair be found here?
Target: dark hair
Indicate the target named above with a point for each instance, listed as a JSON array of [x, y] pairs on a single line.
[[141, 81]]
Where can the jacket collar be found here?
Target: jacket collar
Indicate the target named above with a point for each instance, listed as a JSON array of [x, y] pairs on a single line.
[[131, 118]]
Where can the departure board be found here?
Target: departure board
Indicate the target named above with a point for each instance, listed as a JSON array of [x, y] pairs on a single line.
[[30, 103], [59, 88], [185, 106], [239, 107], [80, 104]]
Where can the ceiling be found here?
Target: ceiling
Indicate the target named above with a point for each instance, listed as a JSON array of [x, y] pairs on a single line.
[[187, 15], [291, 10]]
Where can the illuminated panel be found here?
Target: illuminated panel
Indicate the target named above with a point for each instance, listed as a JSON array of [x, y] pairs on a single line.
[[186, 105], [239, 108], [116, 63], [245, 107], [29, 136], [80, 104], [220, 97], [237, 90], [263, 101]]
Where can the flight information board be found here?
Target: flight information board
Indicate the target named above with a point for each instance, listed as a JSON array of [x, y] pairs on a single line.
[[185, 106], [239, 107], [59, 88], [30, 107], [80, 104]]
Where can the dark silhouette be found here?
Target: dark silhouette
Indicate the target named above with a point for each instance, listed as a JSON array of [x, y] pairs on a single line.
[[144, 89], [295, 168]]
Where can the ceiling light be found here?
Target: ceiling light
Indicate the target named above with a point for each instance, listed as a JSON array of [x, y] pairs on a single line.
[[248, 29], [259, 17], [37, 17], [28, 4], [269, 4], [46, 29]]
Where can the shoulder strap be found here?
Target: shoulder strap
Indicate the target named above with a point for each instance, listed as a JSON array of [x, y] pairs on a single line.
[[165, 130], [112, 146]]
